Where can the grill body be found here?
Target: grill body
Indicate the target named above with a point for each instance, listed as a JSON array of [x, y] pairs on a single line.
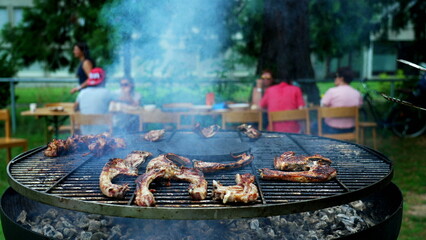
[[72, 181]]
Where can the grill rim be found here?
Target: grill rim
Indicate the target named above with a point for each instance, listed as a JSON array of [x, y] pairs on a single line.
[[204, 213]]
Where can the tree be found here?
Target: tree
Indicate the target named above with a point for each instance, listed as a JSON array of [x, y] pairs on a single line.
[[339, 28], [414, 12], [285, 43], [50, 29]]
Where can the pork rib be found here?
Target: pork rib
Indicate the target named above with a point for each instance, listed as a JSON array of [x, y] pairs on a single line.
[[315, 168], [244, 192], [164, 167], [116, 166], [144, 196], [288, 161], [208, 167], [316, 173]]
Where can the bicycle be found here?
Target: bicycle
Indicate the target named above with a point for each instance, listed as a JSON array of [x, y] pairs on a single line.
[[404, 121]]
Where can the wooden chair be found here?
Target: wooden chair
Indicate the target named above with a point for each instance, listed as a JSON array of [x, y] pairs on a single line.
[[290, 115], [79, 119], [242, 117], [8, 142], [68, 106], [362, 127], [339, 112], [157, 116]]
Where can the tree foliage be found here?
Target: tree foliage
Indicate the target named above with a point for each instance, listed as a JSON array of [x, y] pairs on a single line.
[[50, 29]]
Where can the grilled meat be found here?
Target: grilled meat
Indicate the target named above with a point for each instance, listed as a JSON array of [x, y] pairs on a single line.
[[289, 162], [56, 148], [164, 167], [116, 166], [250, 131], [206, 167], [244, 192], [314, 168], [316, 173], [207, 132], [154, 135], [198, 185], [144, 196], [96, 144]]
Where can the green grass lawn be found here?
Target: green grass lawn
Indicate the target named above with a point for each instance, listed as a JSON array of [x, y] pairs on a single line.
[[406, 154]]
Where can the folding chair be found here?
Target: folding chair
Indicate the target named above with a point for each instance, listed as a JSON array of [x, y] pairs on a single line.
[[8, 142], [339, 112], [290, 115]]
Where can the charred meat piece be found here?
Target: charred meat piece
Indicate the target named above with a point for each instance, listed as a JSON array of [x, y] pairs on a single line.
[[144, 196], [56, 148], [154, 135], [96, 144], [316, 173], [244, 159], [250, 131], [198, 185], [244, 192], [288, 161], [207, 132], [116, 166], [314, 168], [163, 167]]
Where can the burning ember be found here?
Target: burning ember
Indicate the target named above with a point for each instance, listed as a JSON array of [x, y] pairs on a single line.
[[328, 223]]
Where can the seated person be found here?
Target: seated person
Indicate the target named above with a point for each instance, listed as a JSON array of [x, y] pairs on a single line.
[[94, 99], [342, 95], [126, 96], [266, 80], [280, 97]]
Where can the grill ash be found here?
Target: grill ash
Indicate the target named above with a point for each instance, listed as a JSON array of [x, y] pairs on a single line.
[[328, 223]]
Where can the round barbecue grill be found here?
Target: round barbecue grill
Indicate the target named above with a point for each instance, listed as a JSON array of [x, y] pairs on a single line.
[[72, 181]]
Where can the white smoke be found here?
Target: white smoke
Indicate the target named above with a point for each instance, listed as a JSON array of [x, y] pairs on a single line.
[[168, 38]]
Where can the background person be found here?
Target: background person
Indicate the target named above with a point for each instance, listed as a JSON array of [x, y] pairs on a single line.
[[265, 81], [81, 51], [94, 99], [342, 95], [280, 97], [126, 95]]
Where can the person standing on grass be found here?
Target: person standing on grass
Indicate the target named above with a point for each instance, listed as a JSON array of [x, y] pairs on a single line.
[[342, 95], [81, 51]]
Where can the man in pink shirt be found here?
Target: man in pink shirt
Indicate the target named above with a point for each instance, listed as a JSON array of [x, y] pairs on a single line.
[[283, 96], [342, 95]]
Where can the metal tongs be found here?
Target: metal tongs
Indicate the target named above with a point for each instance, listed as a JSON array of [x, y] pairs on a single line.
[[397, 100], [411, 64]]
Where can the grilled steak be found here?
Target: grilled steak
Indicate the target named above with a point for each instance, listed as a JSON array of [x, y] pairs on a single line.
[[116, 166], [244, 192], [206, 167]]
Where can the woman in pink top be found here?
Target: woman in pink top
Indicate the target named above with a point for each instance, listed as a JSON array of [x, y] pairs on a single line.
[[342, 95], [283, 96]]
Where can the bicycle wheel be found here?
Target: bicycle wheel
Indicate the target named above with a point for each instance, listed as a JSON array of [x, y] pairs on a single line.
[[407, 122]]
